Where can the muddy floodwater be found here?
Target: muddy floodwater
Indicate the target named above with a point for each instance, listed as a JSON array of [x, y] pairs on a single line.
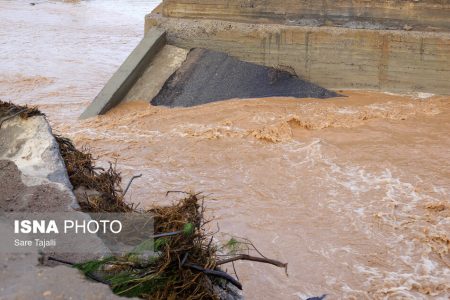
[[353, 192]]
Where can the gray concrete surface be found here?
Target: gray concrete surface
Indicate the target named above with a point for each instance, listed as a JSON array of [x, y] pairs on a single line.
[[128, 73], [165, 63], [387, 14], [22, 279], [33, 179], [31, 146]]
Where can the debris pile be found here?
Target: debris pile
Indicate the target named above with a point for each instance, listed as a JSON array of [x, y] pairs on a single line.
[[83, 173], [179, 261], [186, 260]]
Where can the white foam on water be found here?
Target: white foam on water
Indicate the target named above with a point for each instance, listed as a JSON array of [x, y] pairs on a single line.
[[393, 202], [126, 136], [346, 111], [423, 96]]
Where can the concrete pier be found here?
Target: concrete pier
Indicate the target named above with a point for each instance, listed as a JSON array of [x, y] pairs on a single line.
[[395, 46]]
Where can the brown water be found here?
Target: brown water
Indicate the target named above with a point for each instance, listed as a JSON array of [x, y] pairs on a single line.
[[352, 192]]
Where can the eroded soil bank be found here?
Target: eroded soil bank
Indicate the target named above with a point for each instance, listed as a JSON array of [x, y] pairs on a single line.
[[352, 192]]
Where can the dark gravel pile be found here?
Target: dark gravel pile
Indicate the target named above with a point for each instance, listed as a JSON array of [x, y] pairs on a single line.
[[208, 76]]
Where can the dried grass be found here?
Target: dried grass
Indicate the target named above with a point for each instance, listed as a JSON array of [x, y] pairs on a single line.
[[10, 110], [83, 173], [166, 275]]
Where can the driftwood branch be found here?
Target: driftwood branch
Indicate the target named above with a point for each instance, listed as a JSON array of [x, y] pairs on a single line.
[[166, 234], [215, 273], [129, 183], [253, 258]]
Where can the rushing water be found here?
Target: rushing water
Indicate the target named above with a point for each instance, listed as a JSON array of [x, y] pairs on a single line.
[[352, 192]]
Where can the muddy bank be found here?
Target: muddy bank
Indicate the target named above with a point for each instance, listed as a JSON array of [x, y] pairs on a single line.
[[208, 76]]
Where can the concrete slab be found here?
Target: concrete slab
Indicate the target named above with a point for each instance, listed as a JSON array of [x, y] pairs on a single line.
[[128, 73], [33, 179], [165, 63], [30, 144]]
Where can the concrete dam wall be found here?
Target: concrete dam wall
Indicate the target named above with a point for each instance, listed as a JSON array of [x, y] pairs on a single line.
[[397, 46]]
